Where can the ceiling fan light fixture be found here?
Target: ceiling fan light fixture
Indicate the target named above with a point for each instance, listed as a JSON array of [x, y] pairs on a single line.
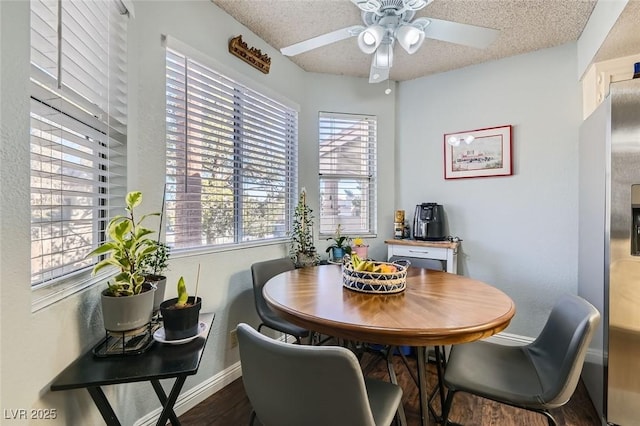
[[378, 75], [383, 57], [410, 38], [370, 38]]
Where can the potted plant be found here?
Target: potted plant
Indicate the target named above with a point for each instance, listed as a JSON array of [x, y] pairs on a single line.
[[302, 250], [127, 302], [180, 315], [153, 267], [341, 245], [360, 248]]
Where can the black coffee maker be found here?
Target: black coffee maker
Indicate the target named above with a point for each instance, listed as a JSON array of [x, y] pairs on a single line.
[[428, 222]]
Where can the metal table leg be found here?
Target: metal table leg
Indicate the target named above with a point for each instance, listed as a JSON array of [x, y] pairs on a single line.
[[103, 405], [168, 403], [422, 385], [440, 365]]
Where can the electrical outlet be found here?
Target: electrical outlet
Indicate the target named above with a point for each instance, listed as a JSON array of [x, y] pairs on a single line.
[[233, 338]]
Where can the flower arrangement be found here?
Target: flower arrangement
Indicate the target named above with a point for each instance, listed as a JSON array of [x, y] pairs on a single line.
[[360, 248], [359, 242], [341, 244]]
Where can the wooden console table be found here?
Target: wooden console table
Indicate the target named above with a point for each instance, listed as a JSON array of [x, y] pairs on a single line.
[[436, 250]]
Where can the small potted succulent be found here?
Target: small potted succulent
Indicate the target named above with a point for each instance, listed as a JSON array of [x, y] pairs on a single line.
[[180, 315], [341, 245]]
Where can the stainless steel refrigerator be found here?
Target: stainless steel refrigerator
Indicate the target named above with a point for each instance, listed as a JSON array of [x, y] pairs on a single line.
[[609, 250]]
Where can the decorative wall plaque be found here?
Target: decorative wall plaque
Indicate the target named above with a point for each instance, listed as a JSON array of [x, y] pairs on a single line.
[[250, 55]]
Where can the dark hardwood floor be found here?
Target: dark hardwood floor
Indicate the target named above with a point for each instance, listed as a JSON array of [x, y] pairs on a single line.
[[230, 406]]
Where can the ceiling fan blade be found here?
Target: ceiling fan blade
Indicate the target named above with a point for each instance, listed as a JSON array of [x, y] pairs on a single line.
[[456, 32], [368, 5], [378, 75], [321, 40]]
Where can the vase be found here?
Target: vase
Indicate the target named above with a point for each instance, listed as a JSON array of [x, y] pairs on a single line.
[[305, 259], [361, 251], [337, 253]]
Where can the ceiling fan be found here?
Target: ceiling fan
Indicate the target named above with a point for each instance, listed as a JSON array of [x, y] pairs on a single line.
[[388, 21]]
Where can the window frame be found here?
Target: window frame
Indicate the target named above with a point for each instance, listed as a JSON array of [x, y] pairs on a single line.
[[368, 155], [289, 178], [95, 118]]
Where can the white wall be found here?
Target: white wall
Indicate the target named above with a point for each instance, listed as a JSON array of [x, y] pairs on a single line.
[[349, 95], [519, 231], [37, 346]]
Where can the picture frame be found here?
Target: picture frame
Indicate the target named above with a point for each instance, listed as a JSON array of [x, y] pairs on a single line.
[[478, 153]]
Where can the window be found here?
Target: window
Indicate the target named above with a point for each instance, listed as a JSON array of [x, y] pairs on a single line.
[[78, 133], [347, 144], [231, 159]]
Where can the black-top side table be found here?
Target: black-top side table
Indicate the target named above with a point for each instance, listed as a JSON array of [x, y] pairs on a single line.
[[161, 361]]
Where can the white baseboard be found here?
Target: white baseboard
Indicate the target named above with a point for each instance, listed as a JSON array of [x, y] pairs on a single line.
[[197, 394]]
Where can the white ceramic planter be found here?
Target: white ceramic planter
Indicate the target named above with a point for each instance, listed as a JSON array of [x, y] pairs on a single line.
[[127, 312]]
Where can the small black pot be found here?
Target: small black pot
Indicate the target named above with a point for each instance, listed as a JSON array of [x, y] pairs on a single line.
[[180, 323]]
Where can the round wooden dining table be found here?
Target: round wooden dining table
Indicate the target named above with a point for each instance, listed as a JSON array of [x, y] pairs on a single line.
[[437, 308]]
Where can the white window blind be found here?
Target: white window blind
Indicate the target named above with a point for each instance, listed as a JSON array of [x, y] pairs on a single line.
[[231, 159], [347, 165], [78, 133]]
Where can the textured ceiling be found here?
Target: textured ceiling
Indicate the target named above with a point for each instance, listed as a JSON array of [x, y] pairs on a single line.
[[624, 37], [525, 26]]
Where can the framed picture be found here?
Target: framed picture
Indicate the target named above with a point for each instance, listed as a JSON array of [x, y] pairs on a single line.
[[478, 153]]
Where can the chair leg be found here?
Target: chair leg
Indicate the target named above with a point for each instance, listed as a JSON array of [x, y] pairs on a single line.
[[319, 341], [447, 406], [400, 415], [550, 420]]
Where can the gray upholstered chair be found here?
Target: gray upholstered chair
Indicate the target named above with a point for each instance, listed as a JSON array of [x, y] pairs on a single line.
[[539, 376], [293, 385], [261, 273]]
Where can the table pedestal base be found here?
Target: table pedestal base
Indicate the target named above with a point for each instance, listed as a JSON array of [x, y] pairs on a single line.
[[420, 379]]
